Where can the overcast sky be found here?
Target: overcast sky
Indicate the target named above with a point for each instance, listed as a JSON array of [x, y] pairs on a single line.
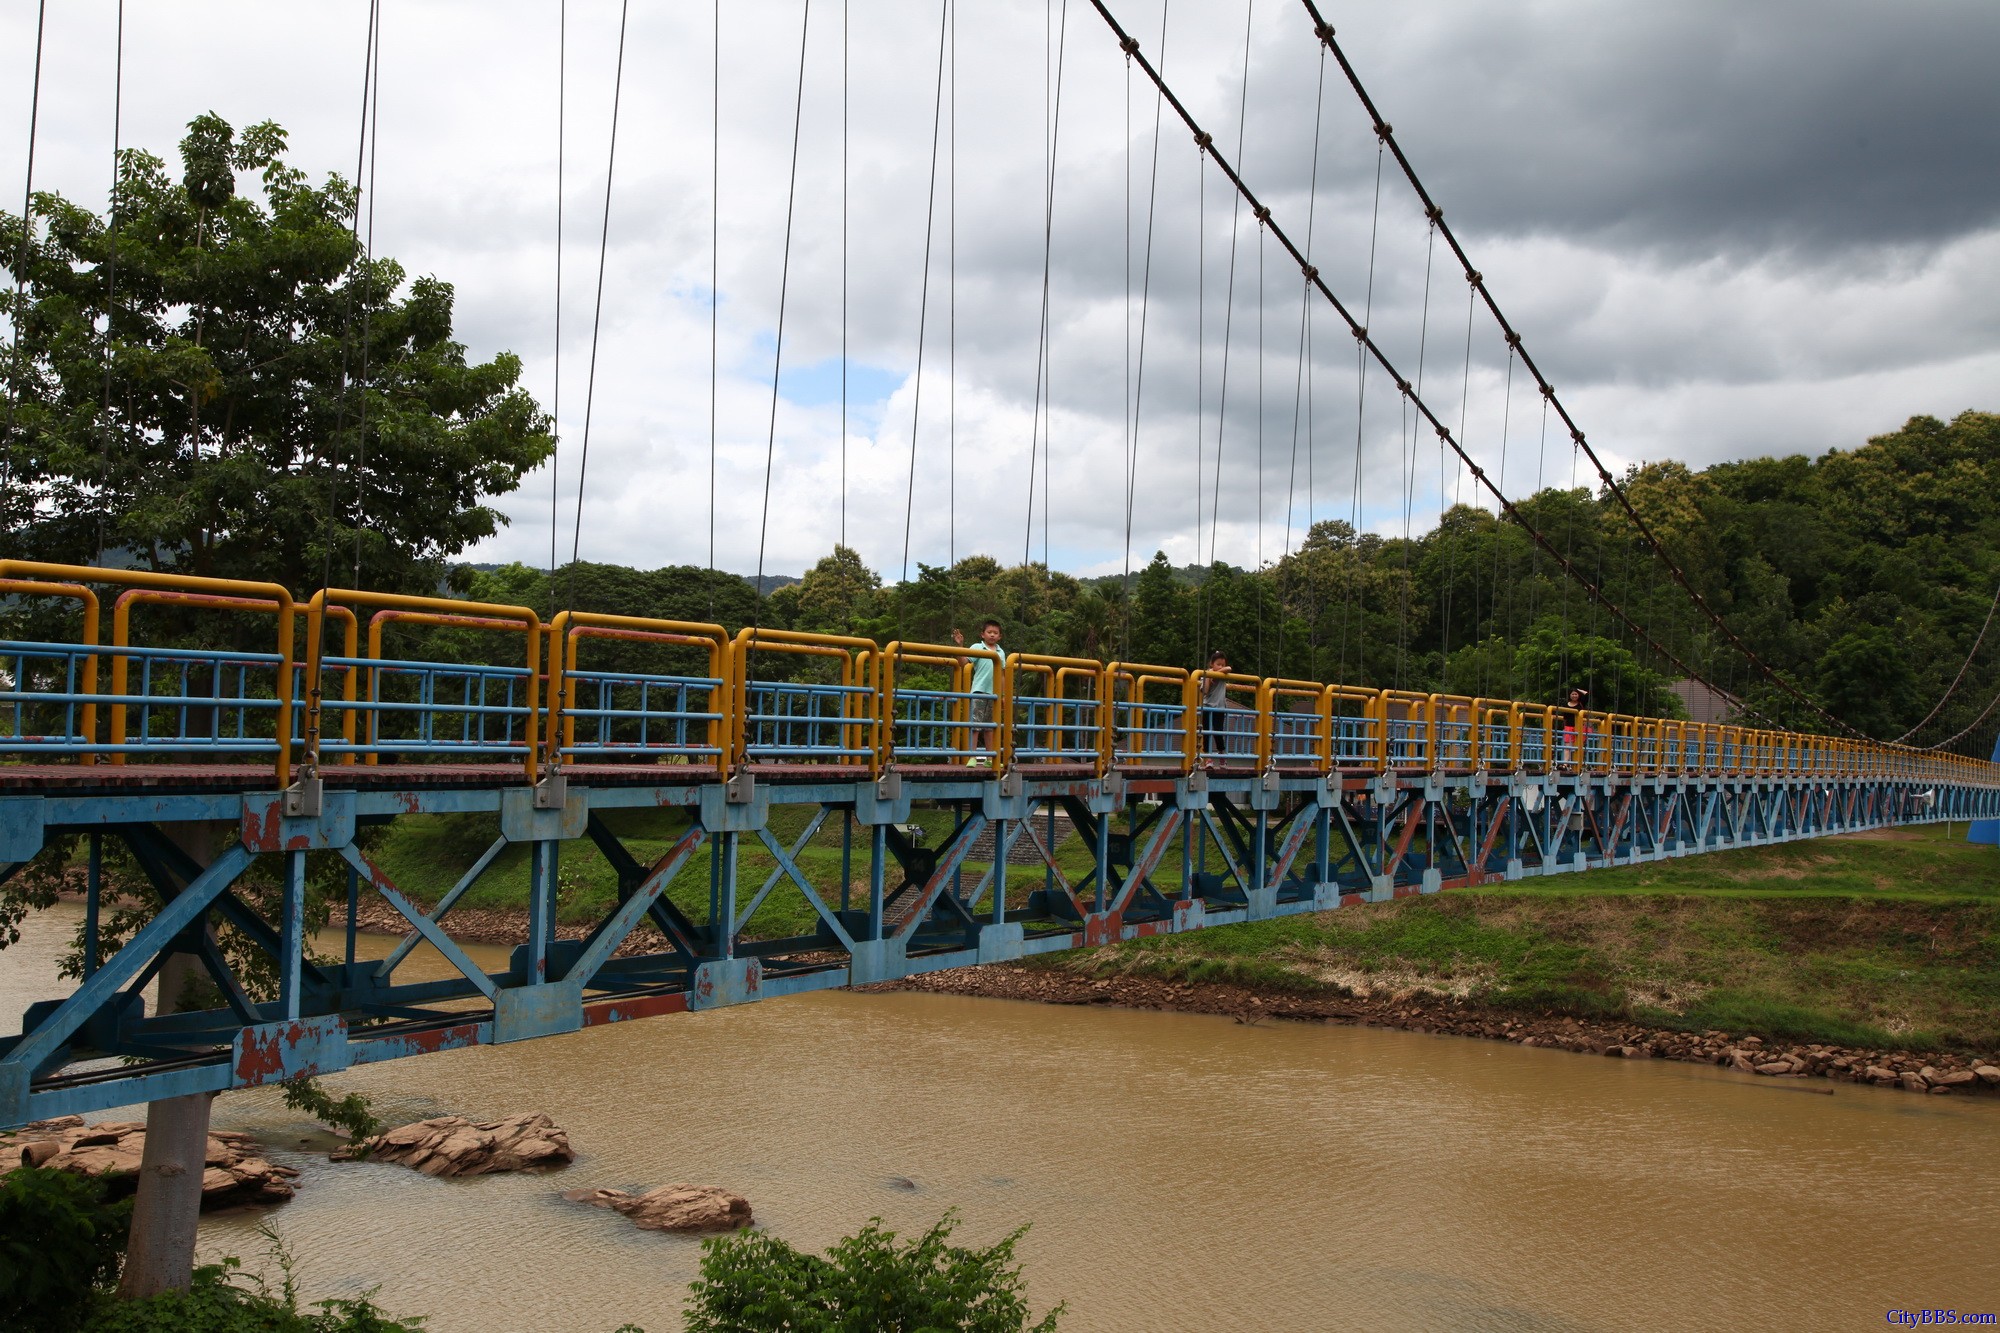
[[1724, 230]]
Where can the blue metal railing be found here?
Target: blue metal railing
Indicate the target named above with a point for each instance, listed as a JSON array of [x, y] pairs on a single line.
[[631, 713], [941, 726], [1049, 730], [39, 683], [1146, 733], [1226, 735], [792, 720], [441, 708]]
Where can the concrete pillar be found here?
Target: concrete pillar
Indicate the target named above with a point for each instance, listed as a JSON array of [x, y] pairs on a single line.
[[167, 1208]]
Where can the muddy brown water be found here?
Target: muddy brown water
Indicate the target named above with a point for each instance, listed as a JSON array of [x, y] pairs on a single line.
[[1180, 1172]]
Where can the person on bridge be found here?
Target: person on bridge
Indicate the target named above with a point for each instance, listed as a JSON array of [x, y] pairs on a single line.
[[1578, 729], [983, 730], [1226, 726]]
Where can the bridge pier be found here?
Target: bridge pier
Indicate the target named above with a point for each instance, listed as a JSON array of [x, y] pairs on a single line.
[[166, 1212]]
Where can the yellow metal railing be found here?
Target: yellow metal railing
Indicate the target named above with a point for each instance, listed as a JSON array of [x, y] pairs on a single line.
[[764, 698]]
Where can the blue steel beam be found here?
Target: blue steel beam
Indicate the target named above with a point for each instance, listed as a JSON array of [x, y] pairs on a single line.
[[1414, 818]]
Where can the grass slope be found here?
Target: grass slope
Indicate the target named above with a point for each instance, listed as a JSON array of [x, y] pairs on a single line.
[[1874, 940], [1885, 939]]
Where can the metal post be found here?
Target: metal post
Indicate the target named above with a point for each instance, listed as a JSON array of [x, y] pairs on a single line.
[[1192, 818], [1103, 854], [292, 926], [541, 908], [715, 890], [726, 923], [1322, 846], [999, 871], [875, 873], [1258, 849], [94, 883], [846, 856], [353, 909], [1049, 870], [167, 1208], [958, 871]]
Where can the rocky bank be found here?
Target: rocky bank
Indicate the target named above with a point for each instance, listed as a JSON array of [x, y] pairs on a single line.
[[1935, 1072]]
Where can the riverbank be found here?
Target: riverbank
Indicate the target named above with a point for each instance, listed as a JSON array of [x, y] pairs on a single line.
[[1871, 958]]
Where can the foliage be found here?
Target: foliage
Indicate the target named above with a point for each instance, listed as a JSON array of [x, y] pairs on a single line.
[[219, 381], [754, 1281], [217, 1302], [60, 1244], [353, 1113], [61, 1249]]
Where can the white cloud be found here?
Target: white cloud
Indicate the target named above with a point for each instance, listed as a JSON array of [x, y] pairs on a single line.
[[1688, 296]]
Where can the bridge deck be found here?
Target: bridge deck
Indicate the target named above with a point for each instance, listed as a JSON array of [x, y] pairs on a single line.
[[1145, 799]]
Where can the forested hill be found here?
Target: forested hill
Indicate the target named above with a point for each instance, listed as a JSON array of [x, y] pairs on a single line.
[[1865, 575]]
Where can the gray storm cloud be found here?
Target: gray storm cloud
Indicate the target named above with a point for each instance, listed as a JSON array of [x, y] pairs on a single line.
[[1725, 230]]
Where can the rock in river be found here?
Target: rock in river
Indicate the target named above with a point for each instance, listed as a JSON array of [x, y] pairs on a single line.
[[451, 1145], [234, 1172], [673, 1207]]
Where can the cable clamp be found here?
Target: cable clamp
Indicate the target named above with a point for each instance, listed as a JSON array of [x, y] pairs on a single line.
[[1383, 129], [1403, 386], [1263, 214], [1361, 333], [1474, 276], [1311, 273], [304, 798], [1130, 46], [1203, 140], [1434, 213], [1324, 31], [1576, 435]]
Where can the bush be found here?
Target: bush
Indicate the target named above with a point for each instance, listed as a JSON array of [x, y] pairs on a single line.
[[61, 1249], [60, 1244], [754, 1282], [353, 1113]]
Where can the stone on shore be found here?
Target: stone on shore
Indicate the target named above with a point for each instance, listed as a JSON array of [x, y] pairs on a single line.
[[673, 1207], [235, 1170], [451, 1145]]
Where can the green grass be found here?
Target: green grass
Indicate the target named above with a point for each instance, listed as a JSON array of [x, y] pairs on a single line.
[[1873, 942]]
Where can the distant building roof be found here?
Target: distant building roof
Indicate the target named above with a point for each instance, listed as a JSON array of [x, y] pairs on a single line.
[[1704, 704]]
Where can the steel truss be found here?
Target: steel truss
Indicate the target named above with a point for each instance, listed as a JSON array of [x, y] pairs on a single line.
[[1149, 855]]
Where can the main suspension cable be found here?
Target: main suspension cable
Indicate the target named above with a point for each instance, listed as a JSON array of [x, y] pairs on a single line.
[[784, 292], [110, 274], [555, 407], [924, 291], [367, 303], [21, 259], [1324, 31], [1362, 335], [1952, 688], [597, 311], [1040, 421], [1145, 310]]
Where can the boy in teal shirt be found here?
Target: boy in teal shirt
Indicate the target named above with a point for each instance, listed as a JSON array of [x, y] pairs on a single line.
[[982, 685]]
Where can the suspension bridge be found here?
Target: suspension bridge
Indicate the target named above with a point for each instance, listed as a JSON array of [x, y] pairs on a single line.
[[1083, 801]]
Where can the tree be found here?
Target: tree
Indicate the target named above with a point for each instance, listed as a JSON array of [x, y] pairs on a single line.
[[224, 384]]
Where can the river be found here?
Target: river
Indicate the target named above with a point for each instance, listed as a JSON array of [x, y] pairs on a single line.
[[1180, 1171]]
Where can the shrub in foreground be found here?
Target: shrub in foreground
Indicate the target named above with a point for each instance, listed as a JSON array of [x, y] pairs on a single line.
[[754, 1282]]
